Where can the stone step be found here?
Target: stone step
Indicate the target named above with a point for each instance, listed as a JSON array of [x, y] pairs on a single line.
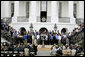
[[43, 53]]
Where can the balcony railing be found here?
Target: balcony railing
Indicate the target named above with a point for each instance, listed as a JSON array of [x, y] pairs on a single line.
[[64, 19], [48, 19], [22, 19]]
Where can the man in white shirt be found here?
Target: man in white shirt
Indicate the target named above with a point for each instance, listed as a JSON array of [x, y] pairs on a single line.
[[26, 52]]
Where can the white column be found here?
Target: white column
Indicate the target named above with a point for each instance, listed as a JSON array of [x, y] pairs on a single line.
[[7, 9], [80, 9], [38, 11], [16, 11], [32, 17], [70, 11], [2, 9], [54, 12]]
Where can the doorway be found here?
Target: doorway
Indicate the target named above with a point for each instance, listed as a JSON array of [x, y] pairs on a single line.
[[43, 30], [64, 30], [43, 36], [43, 16]]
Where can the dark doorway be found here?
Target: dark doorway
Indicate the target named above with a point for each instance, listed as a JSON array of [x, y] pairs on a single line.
[[43, 16], [64, 30], [43, 31], [22, 30]]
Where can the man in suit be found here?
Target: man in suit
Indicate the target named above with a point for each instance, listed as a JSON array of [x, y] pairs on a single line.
[[35, 45]]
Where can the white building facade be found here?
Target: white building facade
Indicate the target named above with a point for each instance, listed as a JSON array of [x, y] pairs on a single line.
[[43, 14]]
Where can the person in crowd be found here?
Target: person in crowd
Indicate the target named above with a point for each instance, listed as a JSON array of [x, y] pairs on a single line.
[[57, 38], [58, 32], [28, 37], [35, 45], [2, 25], [63, 40], [33, 38], [54, 49], [35, 33], [54, 38], [38, 37], [25, 39], [11, 31], [46, 39], [15, 35], [51, 39], [68, 40], [26, 51]]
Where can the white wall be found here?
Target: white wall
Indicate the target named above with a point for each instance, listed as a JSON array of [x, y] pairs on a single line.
[[49, 26]]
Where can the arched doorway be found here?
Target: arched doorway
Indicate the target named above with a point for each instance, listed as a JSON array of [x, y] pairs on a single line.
[[43, 33], [43, 30], [22, 30], [64, 30]]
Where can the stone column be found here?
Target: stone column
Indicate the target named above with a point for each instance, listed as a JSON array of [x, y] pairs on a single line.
[[16, 11], [32, 17], [2, 9], [7, 7], [80, 10], [54, 12], [70, 12]]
